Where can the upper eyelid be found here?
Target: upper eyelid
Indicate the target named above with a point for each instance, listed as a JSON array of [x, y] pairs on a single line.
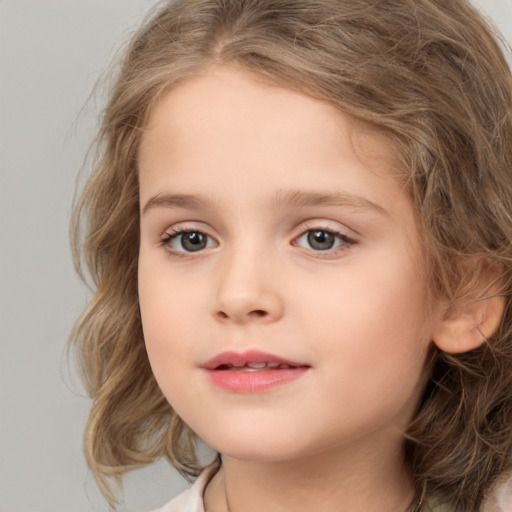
[[321, 228], [187, 226], [349, 240], [302, 228], [326, 225], [172, 232], [331, 231]]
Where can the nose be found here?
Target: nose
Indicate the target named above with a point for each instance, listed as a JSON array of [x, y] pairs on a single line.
[[248, 290]]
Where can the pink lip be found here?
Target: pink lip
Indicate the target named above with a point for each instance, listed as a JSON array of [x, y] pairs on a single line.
[[244, 380]]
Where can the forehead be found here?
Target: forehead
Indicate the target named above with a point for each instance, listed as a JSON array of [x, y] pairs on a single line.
[[242, 106], [225, 126]]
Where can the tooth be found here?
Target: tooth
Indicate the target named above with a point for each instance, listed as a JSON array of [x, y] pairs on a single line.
[[273, 365], [237, 365], [284, 367], [256, 365]]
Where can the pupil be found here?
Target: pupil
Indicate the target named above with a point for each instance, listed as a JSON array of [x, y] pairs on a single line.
[[193, 241], [321, 240]]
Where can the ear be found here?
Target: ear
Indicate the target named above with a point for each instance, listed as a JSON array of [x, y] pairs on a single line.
[[465, 326]]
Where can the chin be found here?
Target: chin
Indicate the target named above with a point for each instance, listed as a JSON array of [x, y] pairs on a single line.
[[259, 445]]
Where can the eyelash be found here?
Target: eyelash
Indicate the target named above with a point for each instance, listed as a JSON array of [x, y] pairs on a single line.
[[344, 241], [174, 234]]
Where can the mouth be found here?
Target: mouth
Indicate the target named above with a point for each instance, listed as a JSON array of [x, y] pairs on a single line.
[[252, 371], [254, 367], [252, 360]]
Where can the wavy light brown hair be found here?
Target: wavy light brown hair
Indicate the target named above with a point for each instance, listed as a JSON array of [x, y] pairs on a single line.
[[431, 75]]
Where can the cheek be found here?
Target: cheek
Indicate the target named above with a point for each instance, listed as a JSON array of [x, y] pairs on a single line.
[[373, 324], [165, 317], [172, 329]]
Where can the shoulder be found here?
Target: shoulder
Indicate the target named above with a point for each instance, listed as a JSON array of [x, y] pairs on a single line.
[[500, 497], [191, 500]]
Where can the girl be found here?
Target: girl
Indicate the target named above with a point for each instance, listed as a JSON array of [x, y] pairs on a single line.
[[299, 232]]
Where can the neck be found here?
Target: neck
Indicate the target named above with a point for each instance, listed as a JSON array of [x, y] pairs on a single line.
[[341, 481]]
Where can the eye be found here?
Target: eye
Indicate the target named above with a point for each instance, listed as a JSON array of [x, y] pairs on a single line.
[[322, 240], [187, 241]]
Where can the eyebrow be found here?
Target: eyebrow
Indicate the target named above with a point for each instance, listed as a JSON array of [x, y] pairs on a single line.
[[285, 198], [300, 198], [188, 201]]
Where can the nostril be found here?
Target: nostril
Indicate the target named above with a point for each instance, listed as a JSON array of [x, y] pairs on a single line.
[[258, 313]]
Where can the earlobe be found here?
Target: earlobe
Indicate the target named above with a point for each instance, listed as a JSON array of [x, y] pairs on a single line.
[[465, 327]]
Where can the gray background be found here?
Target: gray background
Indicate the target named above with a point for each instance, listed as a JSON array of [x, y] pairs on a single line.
[[51, 54]]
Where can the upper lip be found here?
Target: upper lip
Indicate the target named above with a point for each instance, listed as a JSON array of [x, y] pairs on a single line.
[[242, 358]]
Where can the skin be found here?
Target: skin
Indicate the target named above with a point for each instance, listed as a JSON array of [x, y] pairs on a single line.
[[358, 314]]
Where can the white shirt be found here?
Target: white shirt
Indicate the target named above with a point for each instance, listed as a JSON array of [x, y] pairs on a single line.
[[191, 500]]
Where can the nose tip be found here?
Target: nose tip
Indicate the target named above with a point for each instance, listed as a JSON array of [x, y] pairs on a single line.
[[245, 294]]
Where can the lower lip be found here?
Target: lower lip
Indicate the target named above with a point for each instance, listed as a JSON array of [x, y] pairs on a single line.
[[246, 381]]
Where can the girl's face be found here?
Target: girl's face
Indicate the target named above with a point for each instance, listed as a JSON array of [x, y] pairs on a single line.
[[272, 232]]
